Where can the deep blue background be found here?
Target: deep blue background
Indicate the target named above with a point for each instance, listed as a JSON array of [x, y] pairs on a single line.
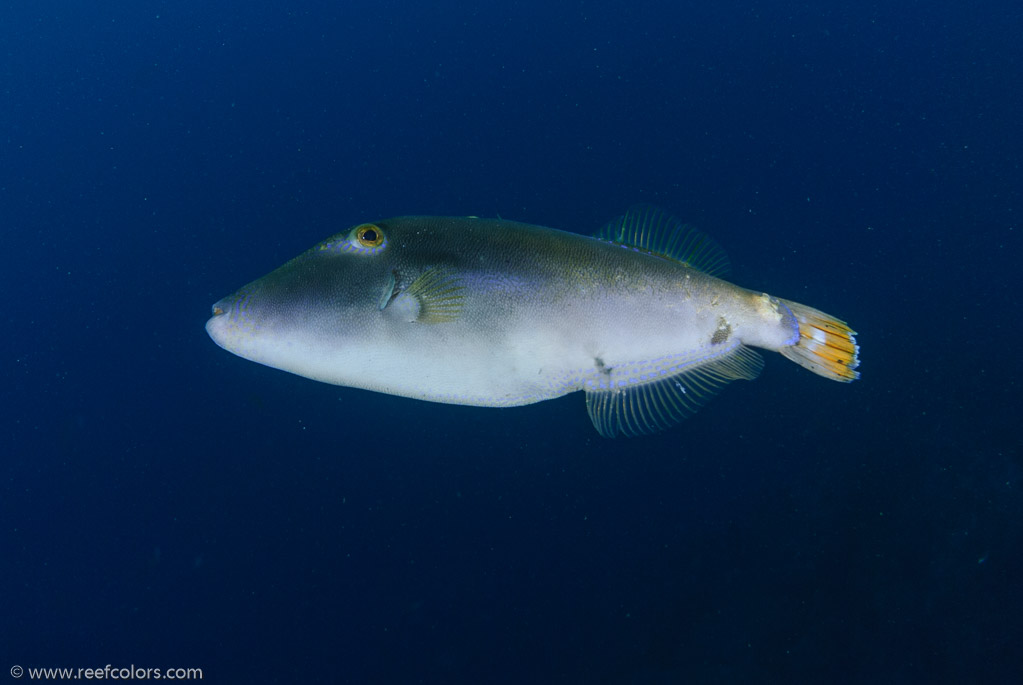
[[163, 503]]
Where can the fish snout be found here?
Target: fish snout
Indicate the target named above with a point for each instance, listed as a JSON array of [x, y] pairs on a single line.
[[218, 324], [226, 305]]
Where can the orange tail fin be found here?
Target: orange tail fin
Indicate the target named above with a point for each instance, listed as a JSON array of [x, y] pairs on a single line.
[[826, 345]]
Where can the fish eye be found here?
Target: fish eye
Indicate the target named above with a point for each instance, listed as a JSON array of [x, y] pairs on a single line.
[[369, 235]]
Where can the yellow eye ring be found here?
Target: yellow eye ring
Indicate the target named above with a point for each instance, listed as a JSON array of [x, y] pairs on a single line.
[[369, 235]]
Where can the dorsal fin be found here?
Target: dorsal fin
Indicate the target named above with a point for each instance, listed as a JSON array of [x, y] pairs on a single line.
[[654, 230]]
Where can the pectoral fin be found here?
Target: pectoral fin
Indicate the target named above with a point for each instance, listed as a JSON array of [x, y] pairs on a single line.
[[435, 296]]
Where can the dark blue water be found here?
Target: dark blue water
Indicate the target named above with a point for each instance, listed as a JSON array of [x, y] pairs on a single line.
[[165, 504]]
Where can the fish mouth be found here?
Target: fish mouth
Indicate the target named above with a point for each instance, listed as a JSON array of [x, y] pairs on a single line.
[[221, 306], [214, 326]]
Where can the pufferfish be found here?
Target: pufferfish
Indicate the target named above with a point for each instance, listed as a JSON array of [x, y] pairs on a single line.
[[495, 313]]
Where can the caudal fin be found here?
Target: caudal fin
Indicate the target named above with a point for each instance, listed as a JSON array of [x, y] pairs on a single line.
[[826, 345]]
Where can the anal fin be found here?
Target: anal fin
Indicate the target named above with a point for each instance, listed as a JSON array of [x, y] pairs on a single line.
[[653, 406]]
